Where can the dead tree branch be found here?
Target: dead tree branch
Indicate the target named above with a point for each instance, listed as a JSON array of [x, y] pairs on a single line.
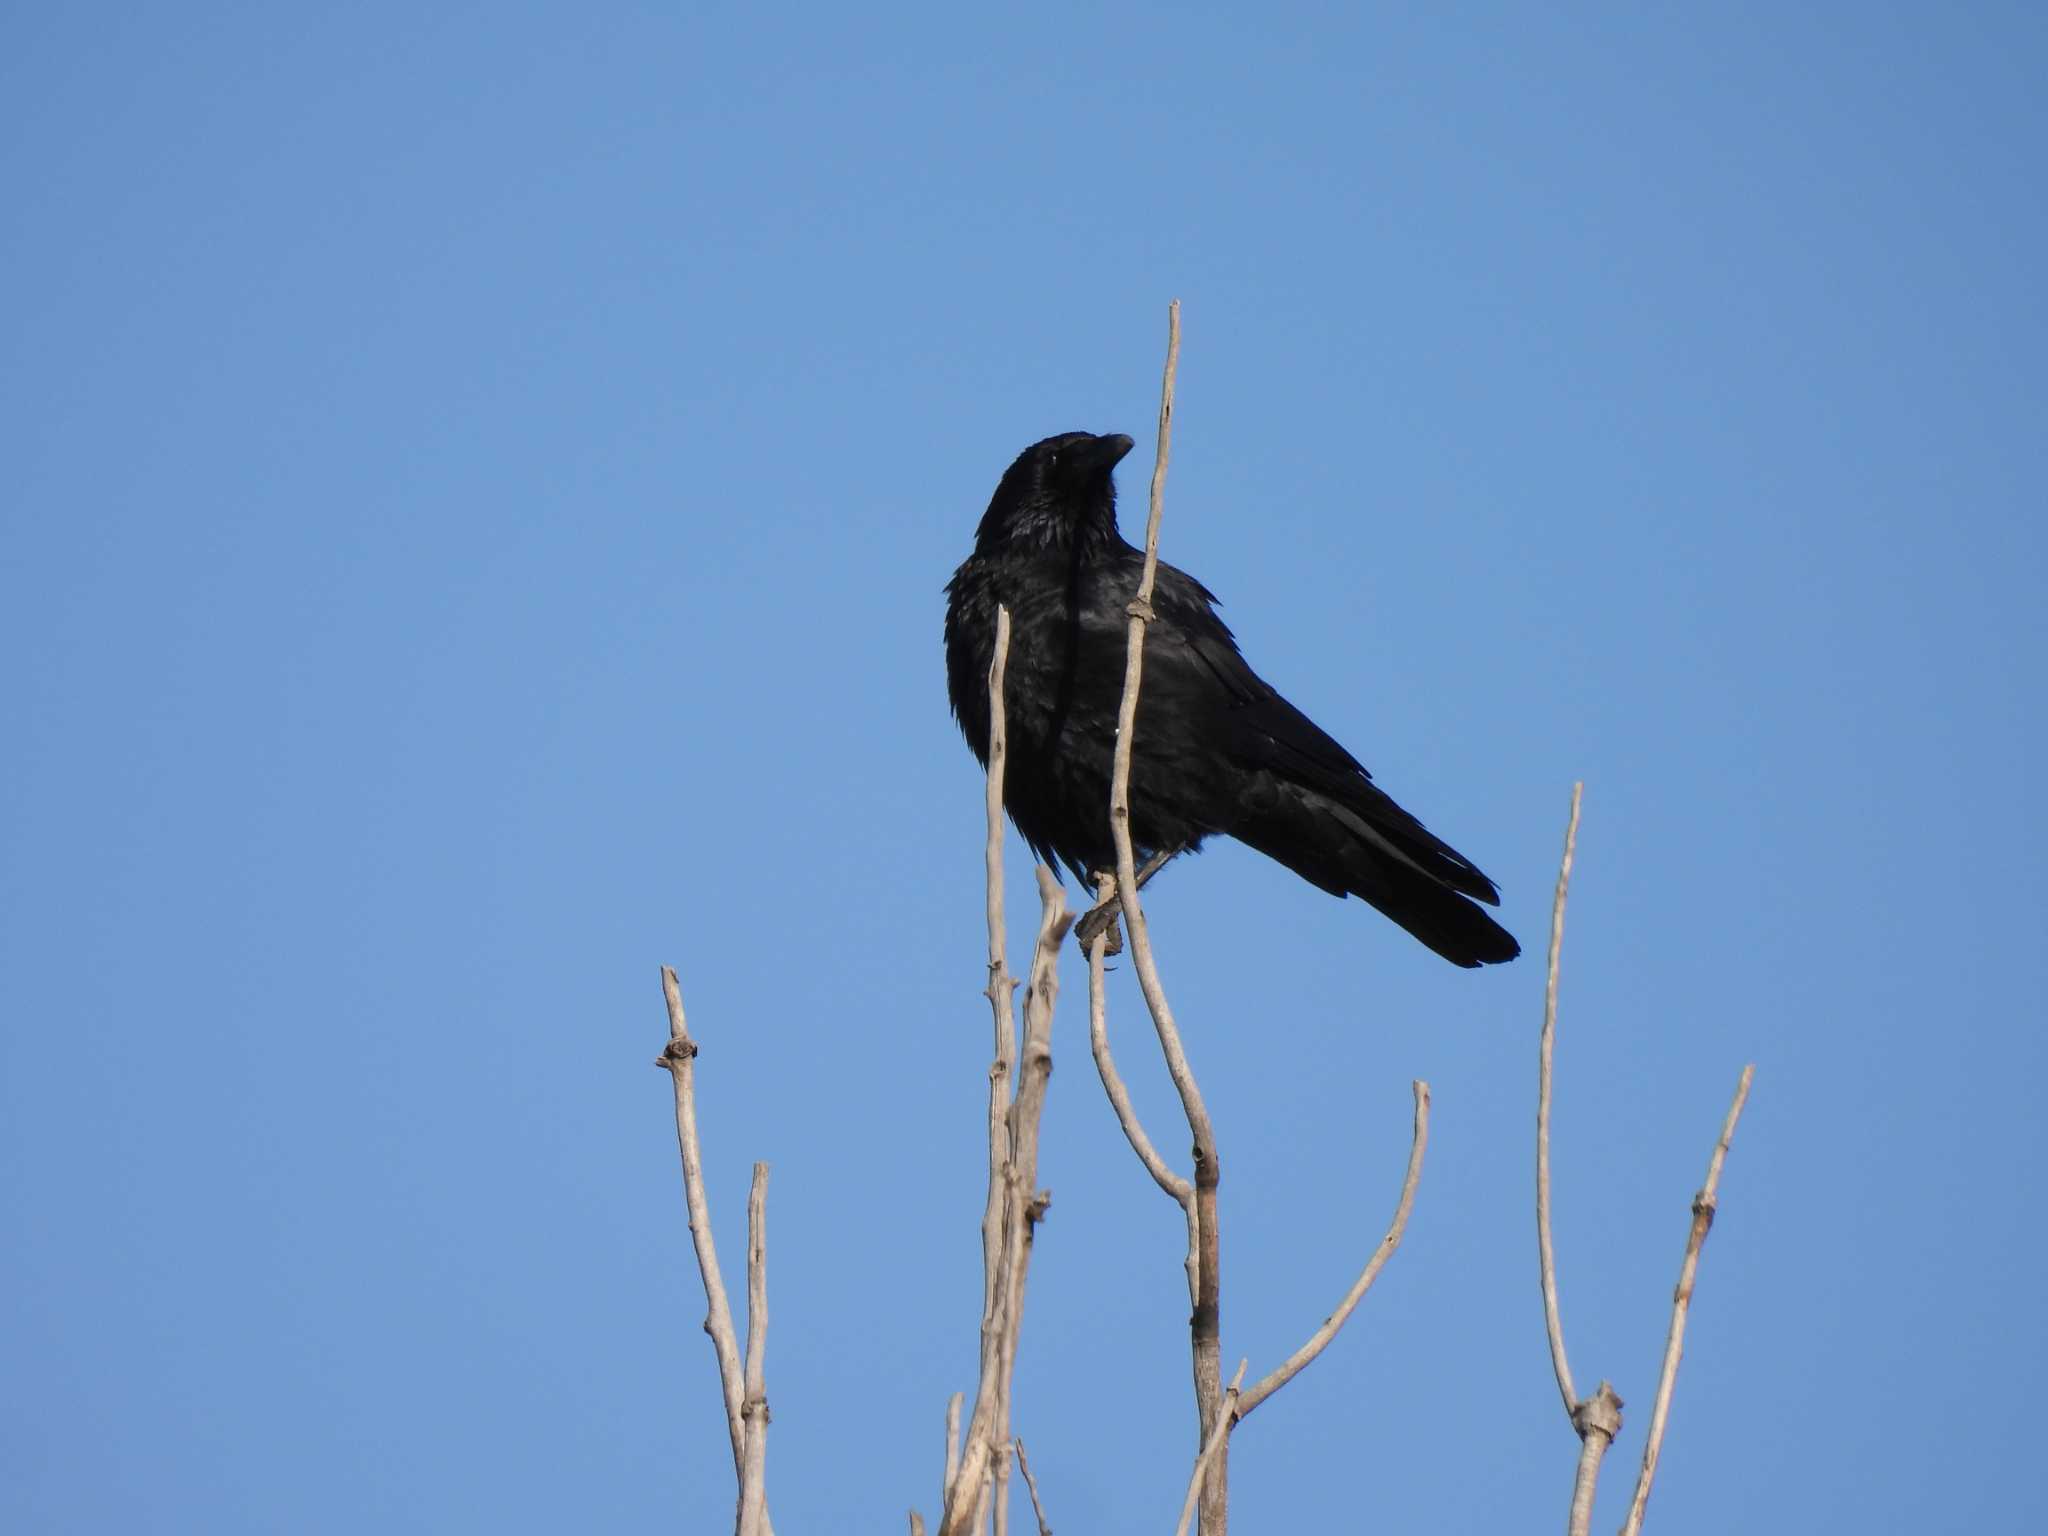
[[1597, 1420], [1703, 1207], [1105, 1065], [1205, 1325], [1030, 1482], [953, 1404], [754, 1406], [1320, 1339], [979, 1480], [680, 1059], [963, 1492], [1546, 1257], [1212, 1449]]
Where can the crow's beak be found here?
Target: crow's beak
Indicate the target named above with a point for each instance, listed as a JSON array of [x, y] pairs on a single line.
[[1109, 451]]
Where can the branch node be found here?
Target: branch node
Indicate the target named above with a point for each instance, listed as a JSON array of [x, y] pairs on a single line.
[[1599, 1414]]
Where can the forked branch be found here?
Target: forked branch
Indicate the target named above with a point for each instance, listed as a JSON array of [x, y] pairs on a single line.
[[1597, 1419]]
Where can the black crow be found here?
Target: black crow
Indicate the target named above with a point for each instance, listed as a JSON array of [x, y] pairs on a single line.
[[1217, 750]]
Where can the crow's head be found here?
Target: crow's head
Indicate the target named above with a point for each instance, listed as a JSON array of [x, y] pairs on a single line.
[[1059, 490]]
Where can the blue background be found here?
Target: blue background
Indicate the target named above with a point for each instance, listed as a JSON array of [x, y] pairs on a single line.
[[478, 484]]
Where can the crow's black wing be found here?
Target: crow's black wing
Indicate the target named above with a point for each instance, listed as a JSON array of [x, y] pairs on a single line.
[[1280, 748]]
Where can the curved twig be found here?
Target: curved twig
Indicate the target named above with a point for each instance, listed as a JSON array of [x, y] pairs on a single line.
[[1546, 1258], [1105, 1065], [1320, 1339]]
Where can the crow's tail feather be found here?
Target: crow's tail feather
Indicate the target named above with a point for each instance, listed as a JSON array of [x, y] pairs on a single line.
[[1389, 860]]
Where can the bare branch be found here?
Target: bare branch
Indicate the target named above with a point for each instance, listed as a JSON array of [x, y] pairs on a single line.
[[754, 1408], [1320, 1339], [1206, 1323], [1000, 991], [1212, 1449], [952, 1448], [1037, 1509], [680, 1058], [1016, 1102], [1546, 1257], [916, 1524], [1119, 1096], [962, 1490], [1598, 1421], [1703, 1206], [1026, 1204]]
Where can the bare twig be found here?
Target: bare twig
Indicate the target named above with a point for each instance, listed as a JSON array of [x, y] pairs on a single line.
[[1105, 1065], [1000, 992], [754, 1408], [1206, 1323], [1026, 1204], [916, 1524], [1595, 1420], [979, 1477], [962, 1489], [1037, 1509], [952, 1447], [1320, 1339], [1226, 1414], [1546, 1258], [680, 1058], [1703, 1206]]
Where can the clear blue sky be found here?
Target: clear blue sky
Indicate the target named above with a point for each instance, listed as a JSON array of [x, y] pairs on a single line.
[[479, 483]]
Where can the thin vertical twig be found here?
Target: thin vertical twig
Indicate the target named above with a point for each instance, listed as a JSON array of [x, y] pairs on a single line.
[[1595, 1420], [1205, 1326], [680, 1058], [1026, 1204], [1703, 1207], [952, 1448], [978, 1482], [962, 1490], [1030, 1482], [1546, 1256], [754, 1407]]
